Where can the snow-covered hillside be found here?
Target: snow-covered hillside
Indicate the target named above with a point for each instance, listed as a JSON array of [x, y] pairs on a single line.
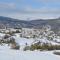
[[6, 53], [23, 41]]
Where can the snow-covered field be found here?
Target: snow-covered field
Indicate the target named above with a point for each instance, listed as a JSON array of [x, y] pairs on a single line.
[[23, 41], [8, 54]]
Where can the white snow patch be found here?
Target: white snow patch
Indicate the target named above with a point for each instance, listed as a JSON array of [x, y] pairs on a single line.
[[8, 54]]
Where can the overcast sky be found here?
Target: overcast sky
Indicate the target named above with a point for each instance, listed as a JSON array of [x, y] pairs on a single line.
[[32, 9]]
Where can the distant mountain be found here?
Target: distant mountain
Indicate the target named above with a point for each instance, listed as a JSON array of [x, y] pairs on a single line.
[[54, 23], [38, 23], [13, 23]]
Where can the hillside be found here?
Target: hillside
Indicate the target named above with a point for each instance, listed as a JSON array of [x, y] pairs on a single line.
[[15, 23]]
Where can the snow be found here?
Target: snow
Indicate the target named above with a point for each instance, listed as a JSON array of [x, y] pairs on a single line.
[[57, 39], [9, 54], [23, 41], [2, 34], [6, 53], [44, 40]]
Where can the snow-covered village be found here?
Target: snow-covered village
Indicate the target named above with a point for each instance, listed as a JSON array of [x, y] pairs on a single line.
[[29, 44]]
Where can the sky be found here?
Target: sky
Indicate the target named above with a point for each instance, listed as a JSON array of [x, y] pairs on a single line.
[[30, 9]]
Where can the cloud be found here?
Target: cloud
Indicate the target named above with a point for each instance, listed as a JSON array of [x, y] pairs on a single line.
[[24, 12], [48, 0], [31, 16], [11, 8], [29, 12], [43, 10], [7, 5]]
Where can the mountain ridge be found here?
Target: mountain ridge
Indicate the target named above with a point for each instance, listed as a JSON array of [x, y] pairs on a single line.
[[38, 23]]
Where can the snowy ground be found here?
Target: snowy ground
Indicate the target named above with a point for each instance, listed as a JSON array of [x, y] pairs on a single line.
[[8, 54]]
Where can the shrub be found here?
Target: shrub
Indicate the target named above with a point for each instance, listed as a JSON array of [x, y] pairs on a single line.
[[45, 46], [34, 47], [10, 33], [56, 53], [6, 36], [12, 40], [15, 46], [26, 48], [17, 31], [1, 42]]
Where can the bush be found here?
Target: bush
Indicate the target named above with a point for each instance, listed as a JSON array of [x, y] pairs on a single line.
[[34, 47], [15, 46], [56, 53], [7, 40], [26, 48], [11, 33], [12, 40], [44, 46], [17, 31], [6, 36]]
